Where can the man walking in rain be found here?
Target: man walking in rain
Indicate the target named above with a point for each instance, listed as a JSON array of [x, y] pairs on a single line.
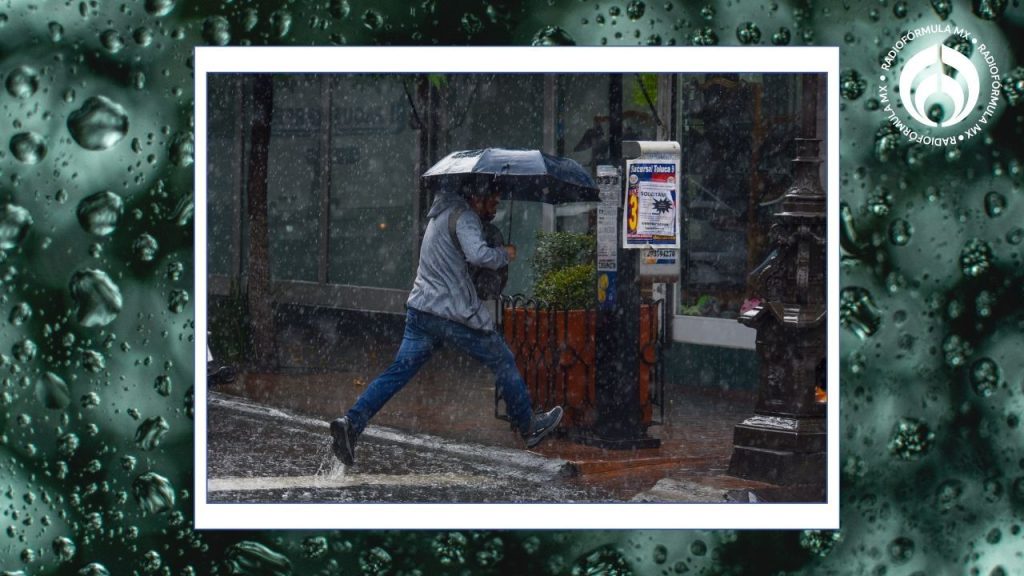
[[444, 308]]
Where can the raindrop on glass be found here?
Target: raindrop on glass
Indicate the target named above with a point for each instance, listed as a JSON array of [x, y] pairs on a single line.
[[175, 270], [67, 444], [162, 385], [975, 258], [93, 361], [985, 375], [250, 18], [635, 9], [340, 9], [450, 548], [143, 36], [858, 313], [471, 24], [704, 37], [97, 298], [247, 557], [492, 552], [90, 400], [660, 554], [99, 213], [20, 314], [314, 547], [1015, 236], [901, 550], [956, 350], [989, 9], [782, 37], [607, 560], [943, 8], [947, 495], [375, 562], [183, 149], [24, 350], [56, 32], [159, 7], [14, 224], [886, 142], [984, 303], [852, 84], [22, 82], [112, 41], [1013, 86], [373, 20], [748, 33], [819, 542], [153, 493], [900, 232], [28, 147], [217, 31], [707, 12], [63, 548], [995, 204], [94, 569], [53, 391], [149, 434], [98, 124], [552, 36], [280, 23], [880, 201], [177, 301], [911, 439], [145, 248]]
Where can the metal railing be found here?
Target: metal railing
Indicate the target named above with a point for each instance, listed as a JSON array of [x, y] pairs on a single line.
[[556, 352]]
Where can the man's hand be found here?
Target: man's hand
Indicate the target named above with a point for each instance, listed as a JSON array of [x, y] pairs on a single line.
[[511, 251]]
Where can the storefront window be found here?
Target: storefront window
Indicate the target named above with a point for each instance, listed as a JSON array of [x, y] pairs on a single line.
[[482, 115], [223, 128], [737, 137], [373, 182]]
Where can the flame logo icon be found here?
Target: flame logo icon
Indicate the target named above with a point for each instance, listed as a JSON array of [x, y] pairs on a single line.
[[924, 79]]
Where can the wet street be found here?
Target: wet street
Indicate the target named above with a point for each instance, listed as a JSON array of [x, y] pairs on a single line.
[[258, 454]]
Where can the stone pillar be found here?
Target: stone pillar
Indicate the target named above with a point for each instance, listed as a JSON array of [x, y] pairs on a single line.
[[784, 441]]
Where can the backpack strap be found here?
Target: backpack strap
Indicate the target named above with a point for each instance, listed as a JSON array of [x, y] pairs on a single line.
[[453, 222]]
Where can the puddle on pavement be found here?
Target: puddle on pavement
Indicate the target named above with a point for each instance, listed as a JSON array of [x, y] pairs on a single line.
[[295, 482], [331, 473], [330, 469]]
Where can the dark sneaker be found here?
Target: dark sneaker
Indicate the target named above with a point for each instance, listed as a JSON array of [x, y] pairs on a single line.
[[542, 425], [344, 444]]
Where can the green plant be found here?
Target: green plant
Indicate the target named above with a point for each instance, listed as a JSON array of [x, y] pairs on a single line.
[[563, 269]]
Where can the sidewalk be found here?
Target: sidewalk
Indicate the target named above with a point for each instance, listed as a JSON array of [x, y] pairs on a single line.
[[453, 398]]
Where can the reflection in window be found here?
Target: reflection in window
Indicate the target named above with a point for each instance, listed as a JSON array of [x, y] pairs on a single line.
[[737, 136]]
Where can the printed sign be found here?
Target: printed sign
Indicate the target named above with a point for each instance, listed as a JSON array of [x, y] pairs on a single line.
[[651, 211], [661, 264], [610, 188]]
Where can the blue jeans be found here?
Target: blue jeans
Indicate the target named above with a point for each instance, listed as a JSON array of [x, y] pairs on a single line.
[[423, 333]]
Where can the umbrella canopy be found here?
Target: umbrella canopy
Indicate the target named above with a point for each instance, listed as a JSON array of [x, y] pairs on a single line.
[[528, 175]]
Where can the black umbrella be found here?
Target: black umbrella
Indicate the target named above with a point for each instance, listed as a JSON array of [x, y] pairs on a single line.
[[529, 175]]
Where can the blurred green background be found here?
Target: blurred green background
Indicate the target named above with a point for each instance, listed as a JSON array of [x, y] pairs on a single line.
[[96, 179]]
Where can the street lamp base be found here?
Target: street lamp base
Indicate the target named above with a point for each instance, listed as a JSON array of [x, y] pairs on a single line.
[[779, 450]]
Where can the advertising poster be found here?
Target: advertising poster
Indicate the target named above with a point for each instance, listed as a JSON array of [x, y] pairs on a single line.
[[651, 216], [610, 184]]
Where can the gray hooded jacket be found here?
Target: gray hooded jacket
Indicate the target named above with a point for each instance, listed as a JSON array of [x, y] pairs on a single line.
[[443, 286]]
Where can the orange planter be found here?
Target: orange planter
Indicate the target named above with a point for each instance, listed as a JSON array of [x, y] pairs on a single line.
[[556, 353]]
